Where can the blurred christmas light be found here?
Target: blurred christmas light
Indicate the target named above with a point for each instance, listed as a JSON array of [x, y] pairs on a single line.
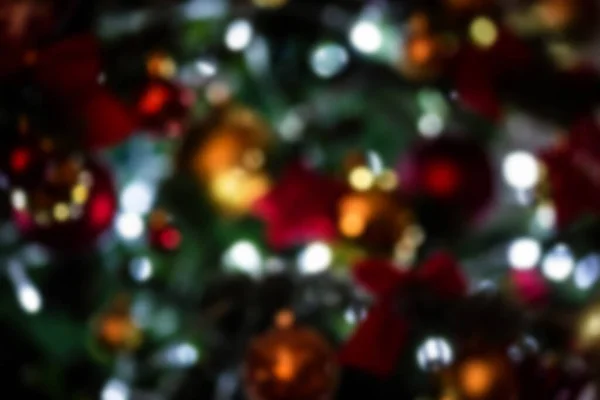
[[430, 125], [270, 3], [524, 253], [239, 35], [29, 298], [387, 180], [35, 254], [587, 271], [115, 390], [137, 198], [545, 216], [61, 212], [361, 178], [291, 126], [434, 354], [141, 269], [28, 295], [315, 258], [244, 256], [180, 355], [521, 170], [218, 92], [483, 32], [129, 226], [18, 199], [206, 68], [328, 60], [366, 37], [558, 264]]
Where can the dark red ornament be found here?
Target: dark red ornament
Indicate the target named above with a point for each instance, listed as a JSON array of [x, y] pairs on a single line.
[[70, 71], [164, 106], [377, 343], [301, 207], [573, 173], [452, 173], [64, 202]]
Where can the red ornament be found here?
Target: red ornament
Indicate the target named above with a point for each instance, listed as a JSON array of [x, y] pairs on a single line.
[[166, 239], [479, 73], [530, 287], [163, 107], [301, 207], [573, 173], [70, 71], [62, 202], [378, 341], [453, 172]]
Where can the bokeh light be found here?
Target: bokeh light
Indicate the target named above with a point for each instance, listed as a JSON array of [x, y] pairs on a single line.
[[558, 264], [239, 35], [524, 253], [366, 37], [521, 170]]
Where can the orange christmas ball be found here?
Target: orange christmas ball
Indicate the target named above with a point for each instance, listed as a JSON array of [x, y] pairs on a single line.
[[290, 363]]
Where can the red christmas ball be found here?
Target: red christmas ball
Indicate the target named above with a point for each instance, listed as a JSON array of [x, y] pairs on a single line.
[[62, 201], [451, 173], [163, 107]]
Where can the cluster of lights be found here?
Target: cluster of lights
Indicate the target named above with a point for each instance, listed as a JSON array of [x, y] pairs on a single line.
[[363, 178], [60, 212], [135, 200]]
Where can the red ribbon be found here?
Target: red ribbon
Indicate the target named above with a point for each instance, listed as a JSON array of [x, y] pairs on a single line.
[[70, 70], [378, 341]]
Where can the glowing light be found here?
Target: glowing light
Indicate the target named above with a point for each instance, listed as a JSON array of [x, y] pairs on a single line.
[[587, 271], [366, 37], [79, 194], [355, 213], [430, 125], [328, 60], [170, 238], [387, 180], [115, 390], [130, 226], [285, 319], [239, 35], [434, 353], [141, 269], [29, 298], [291, 127], [477, 378], [206, 68], [545, 216], [244, 256], [18, 199], [154, 99], [137, 198], [182, 355], [315, 258], [361, 178], [483, 32], [524, 253], [61, 212], [521, 170], [558, 264]]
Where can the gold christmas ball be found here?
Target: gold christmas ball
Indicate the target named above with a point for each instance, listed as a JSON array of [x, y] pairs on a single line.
[[376, 219], [290, 363], [481, 377]]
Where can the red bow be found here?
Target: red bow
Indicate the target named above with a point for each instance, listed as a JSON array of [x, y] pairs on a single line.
[[376, 344], [70, 70]]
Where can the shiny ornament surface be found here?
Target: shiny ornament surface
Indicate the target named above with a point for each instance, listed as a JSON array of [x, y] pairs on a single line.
[[291, 363]]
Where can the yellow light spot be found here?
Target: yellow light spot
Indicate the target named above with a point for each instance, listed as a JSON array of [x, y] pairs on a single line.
[[79, 194], [483, 32], [236, 190], [284, 319], [285, 365], [361, 178], [19, 199], [161, 65], [61, 212], [477, 378], [387, 180], [355, 212]]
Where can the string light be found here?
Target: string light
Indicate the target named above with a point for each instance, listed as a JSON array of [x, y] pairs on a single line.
[[366, 37], [141, 269], [524, 253], [244, 256], [559, 263], [328, 60], [115, 390], [483, 32], [361, 178], [587, 272], [28, 295], [239, 35], [430, 125], [434, 353], [315, 258], [521, 170], [137, 198], [130, 226]]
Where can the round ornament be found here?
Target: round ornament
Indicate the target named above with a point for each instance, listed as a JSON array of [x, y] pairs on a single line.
[[64, 201], [291, 363]]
